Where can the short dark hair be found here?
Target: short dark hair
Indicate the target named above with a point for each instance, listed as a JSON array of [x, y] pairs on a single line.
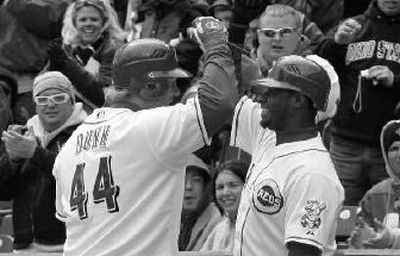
[[236, 166], [202, 172]]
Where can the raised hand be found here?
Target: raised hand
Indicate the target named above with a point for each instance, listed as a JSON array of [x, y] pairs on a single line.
[[208, 32], [57, 54], [347, 31]]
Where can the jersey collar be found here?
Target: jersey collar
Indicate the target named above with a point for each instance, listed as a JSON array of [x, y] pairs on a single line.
[[296, 135]]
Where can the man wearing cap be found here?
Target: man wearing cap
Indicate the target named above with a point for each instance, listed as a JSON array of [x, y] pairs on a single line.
[[199, 214], [292, 194], [25, 172]]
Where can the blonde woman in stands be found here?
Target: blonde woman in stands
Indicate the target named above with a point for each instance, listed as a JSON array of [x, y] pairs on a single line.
[[90, 36]]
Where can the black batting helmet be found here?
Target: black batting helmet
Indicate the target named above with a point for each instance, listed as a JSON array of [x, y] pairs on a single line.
[[143, 60]]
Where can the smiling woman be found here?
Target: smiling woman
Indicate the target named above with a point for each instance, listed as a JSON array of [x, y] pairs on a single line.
[[228, 188], [89, 22], [90, 37]]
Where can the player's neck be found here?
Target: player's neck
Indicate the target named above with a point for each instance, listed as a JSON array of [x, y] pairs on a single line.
[[298, 134], [124, 104]]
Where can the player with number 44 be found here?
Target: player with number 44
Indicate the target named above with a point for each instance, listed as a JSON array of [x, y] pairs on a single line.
[[120, 177]]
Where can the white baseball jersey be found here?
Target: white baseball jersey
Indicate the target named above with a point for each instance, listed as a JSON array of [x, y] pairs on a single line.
[[120, 179], [292, 192]]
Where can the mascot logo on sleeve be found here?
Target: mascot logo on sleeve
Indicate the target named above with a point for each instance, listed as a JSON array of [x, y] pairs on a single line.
[[267, 198], [311, 219]]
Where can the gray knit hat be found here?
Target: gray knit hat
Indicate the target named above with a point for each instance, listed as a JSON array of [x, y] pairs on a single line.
[[53, 80]]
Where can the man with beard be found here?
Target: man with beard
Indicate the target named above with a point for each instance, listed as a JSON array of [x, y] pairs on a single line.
[[292, 194]]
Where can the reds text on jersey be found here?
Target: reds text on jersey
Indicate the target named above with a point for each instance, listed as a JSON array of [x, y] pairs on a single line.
[[291, 194]]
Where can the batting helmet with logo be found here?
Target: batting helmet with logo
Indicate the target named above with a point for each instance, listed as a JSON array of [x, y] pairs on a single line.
[[144, 60], [300, 74]]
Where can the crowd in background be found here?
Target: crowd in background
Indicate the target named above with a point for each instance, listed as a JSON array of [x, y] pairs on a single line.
[[73, 43]]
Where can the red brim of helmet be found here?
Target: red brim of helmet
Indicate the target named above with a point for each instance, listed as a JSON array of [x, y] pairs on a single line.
[[175, 73]]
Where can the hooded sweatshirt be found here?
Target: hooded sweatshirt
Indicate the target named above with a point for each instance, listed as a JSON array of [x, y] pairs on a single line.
[[377, 43], [382, 201], [32, 187]]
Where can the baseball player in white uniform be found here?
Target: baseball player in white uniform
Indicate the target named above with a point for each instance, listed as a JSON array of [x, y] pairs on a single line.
[[292, 194], [120, 177]]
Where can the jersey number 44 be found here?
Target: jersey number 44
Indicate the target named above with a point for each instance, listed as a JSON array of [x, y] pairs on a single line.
[[104, 189]]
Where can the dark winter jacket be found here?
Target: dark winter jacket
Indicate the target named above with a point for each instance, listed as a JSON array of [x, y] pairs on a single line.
[[31, 186], [383, 199], [378, 43], [326, 14], [91, 83]]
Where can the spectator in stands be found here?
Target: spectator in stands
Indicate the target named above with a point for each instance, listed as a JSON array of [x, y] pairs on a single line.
[[8, 91], [26, 169], [363, 52], [280, 31], [163, 19], [326, 14], [33, 24], [380, 207], [229, 183], [354, 7], [90, 37], [279, 34], [245, 12], [222, 10], [199, 214]]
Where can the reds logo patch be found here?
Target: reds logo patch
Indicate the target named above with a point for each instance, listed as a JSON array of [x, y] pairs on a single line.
[[267, 197], [311, 220]]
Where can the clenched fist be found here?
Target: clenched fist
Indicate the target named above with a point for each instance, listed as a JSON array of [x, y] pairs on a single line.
[[381, 75], [347, 31], [208, 32]]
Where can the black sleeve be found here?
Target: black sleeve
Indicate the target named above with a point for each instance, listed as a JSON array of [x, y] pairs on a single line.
[[299, 249], [8, 177], [217, 91], [87, 84], [331, 51], [43, 159]]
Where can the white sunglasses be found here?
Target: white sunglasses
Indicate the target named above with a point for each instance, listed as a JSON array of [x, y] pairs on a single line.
[[283, 32], [56, 99]]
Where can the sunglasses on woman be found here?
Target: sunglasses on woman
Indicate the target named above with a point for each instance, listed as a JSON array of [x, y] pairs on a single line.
[[283, 32], [56, 99]]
